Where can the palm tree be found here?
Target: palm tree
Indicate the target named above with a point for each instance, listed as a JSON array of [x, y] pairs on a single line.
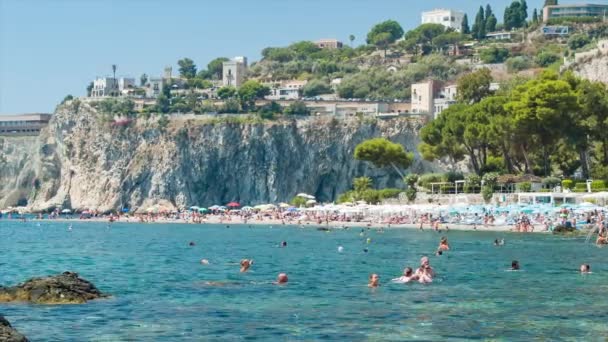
[[352, 39]]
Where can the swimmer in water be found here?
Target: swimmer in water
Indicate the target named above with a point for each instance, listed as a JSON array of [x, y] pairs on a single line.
[[500, 242], [439, 253], [191, 243], [443, 244], [425, 272], [204, 262], [585, 268], [340, 249], [365, 250], [408, 276], [369, 240], [70, 227], [374, 280], [515, 265], [281, 279], [246, 264], [284, 244]]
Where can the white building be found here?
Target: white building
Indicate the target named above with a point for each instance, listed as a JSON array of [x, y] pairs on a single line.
[[446, 17], [109, 86], [154, 87], [431, 97], [233, 72], [286, 90]]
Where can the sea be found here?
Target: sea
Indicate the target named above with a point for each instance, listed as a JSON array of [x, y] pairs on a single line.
[[160, 290]]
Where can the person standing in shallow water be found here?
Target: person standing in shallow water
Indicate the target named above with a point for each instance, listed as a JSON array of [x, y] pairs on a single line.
[[515, 265]]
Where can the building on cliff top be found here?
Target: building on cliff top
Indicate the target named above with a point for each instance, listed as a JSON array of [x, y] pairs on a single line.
[[329, 44], [233, 72], [446, 17], [575, 11], [23, 124]]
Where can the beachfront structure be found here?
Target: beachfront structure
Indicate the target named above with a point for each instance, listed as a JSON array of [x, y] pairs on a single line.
[[109, 86], [446, 17], [431, 97], [553, 198], [575, 11], [233, 72], [328, 44], [23, 124], [286, 90]]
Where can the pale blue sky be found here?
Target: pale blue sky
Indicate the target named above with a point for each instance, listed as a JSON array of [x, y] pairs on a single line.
[[51, 48]]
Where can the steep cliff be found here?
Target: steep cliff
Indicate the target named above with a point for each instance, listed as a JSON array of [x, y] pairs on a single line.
[[594, 68], [80, 162]]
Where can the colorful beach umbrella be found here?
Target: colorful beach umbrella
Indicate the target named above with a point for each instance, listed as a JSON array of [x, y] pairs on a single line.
[[233, 205]]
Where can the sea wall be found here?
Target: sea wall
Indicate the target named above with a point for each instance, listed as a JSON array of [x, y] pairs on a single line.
[[78, 161]]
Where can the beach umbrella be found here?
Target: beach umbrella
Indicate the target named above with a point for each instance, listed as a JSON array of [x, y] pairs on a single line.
[[194, 208], [66, 211], [284, 205], [233, 205], [214, 207], [203, 210], [311, 201], [247, 208], [303, 195]]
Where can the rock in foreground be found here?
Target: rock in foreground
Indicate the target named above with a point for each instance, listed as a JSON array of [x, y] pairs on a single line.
[[8, 334], [65, 288]]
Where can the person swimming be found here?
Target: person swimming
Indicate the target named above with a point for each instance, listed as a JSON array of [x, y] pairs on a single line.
[[340, 249], [374, 280], [204, 262], [443, 244], [425, 272], [585, 268], [515, 265], [284, 244], [439, 253], [191, 243], [408, 276], [281, 279], [246, 264]]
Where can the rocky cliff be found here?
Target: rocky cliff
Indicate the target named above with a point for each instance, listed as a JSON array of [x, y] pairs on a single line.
[[80, 162]]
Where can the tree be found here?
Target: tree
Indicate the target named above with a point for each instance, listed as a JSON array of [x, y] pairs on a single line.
[[577, 41], [187, 68], [68, 97], [89, 89], [143, 79], [523, 12], [494, 55], [226, 92], [382, 40], [535, 16], [479, 26], [352, 39], [362, 183], [163, 103], [316, 87], [473, 87], [383, 153], [464, 27], [391, 27], [550, 3], [251, 91], [215, 68], [297, 108], [546, 58]]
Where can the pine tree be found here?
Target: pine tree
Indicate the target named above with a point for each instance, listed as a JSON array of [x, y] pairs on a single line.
[[535, 16], [479, 27], [524, 12], [491, 22], [488, 11], [507, 19], [464, 28]]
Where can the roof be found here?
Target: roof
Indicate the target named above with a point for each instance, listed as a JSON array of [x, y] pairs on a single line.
[[26, 117]]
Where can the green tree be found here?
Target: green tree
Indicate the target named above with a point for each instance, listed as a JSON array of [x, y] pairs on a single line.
[[250, 91], [535, 16], [388, 31], [494, 55], [68, 97], [89, 89], [316, 87], [163, 103], [231, 106], [215, 68], [473, 87], [523, 12], [362, 183], [383, 153], [491, 22], [577, 41], [550, 3], [382, 40], [546, 58], [464, 27], [143, 79], [352, 39], [187, 68], [226, 92], [479, 26], [297, 108]]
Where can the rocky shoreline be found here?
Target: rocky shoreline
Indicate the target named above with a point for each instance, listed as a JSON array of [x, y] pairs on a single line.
[[8, 333]]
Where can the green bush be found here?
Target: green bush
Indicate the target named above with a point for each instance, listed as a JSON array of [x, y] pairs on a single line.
[[490, 178], [577, 41], [551, 182], [411, 194], [411, 180], [299, 202], [580, 187], [519, 63], [453, 176], [544, 59], [425, 180], [525, 186], [493, 55], [487, 192], [567, 184], [389, 193], [598, 185]]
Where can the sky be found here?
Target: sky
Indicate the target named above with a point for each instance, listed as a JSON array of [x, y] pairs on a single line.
[[51, 48]]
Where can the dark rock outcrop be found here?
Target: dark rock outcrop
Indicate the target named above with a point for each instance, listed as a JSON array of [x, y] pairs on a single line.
[[8, 333], [65, 288]]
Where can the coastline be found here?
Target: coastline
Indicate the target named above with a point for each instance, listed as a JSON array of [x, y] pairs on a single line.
[[213, 220]]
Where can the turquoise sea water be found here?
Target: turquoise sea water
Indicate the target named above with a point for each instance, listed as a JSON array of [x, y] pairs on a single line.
[[159, 291]]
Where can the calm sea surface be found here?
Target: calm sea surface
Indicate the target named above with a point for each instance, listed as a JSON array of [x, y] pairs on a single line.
[[159, 291]]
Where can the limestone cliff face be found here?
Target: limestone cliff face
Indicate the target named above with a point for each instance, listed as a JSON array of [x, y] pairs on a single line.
[[594, 69], [81, 163]]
